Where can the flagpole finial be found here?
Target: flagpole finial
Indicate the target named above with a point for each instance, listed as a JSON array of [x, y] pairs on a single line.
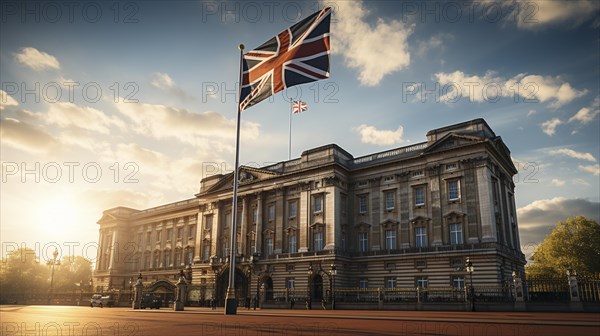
[[241, 46]]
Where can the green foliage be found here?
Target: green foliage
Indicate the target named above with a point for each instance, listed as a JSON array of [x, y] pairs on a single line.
[[23, 272], [572, 245]]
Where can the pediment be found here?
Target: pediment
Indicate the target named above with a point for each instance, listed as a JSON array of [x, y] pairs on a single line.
[[419, 219], [452, 140], [247, 175]]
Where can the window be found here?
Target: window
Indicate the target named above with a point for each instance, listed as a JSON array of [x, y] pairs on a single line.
[[225, 248], [390, 239], [158, 235], [179, 232], [418, 173], [148, 237], [456, 234], [388, 178], [252, 246], [189, 256], [458, 282], [420, 237], [453, 190], [292, 244], [156, 260], [451, 166], [290, 283], [192, 231], [271, 211], [177, 258], [456, 263], [363, 241], [208, 222], [167, 259], [362, 204], [422, 263], [269, 246], [169, 234], [227, 219], [148, 261], [421, 282], [318, 241], [206, 251], [419, 196], [390, 282], [363, 283], [255, 215], [318, 203], [292, 209], [389, 200]]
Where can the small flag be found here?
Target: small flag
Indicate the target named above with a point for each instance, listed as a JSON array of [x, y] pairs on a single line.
[[297, 55], [299, 106]]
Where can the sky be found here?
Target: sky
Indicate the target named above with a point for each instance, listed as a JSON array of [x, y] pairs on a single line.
[[107, 103]]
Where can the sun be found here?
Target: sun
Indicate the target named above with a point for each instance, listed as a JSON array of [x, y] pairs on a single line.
[[59, 215]]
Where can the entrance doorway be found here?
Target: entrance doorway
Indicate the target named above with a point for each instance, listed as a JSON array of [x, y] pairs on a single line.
[[241, 287]]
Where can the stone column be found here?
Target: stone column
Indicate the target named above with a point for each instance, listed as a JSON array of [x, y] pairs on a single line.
[[259, 220], [137, 298], [180, 296], [575, 304]]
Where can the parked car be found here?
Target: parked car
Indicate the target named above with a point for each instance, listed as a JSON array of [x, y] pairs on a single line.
[[151, 301], [98, 300]]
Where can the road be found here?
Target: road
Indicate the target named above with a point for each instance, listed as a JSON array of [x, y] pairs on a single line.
[[66, 320]]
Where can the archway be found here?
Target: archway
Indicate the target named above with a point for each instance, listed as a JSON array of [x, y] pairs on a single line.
[[163, 290], [265, 287], [241, 287], [317, 288]]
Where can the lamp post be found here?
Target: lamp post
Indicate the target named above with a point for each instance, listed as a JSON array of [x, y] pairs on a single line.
[[53, 262], [332, 273], [130, 289], [308, 292], [470, 269]]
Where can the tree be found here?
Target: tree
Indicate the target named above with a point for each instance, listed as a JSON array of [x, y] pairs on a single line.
[[22, 272], [73, 272], [572, 245]]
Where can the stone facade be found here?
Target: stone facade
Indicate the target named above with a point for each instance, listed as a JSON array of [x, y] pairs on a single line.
[[407, 217]]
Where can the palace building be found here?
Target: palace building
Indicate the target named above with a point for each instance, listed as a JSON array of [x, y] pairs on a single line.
[[403, 218]]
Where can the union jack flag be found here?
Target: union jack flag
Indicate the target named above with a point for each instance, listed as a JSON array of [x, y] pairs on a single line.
[[297, 55], [299, 106]]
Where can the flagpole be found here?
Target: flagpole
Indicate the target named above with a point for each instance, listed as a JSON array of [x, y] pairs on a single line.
[[230, 299], [290, 140]]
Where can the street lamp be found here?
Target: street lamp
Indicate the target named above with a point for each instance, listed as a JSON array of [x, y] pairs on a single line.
[[332, 273], [308, 293], [130, 289], [53, 262], [470, 269]]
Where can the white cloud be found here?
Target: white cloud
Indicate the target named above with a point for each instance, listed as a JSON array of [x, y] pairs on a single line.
[[594, 169], [535, 14], [197, 129], [374, 50], [580, 182], [558, 182], [434, 42], [549, 126], [490, 87], [538, 218], [66, 115], [37, 60], [162, 80], [587, 114], [371, 135], [27, 137], [6, 100], [571, 153]]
